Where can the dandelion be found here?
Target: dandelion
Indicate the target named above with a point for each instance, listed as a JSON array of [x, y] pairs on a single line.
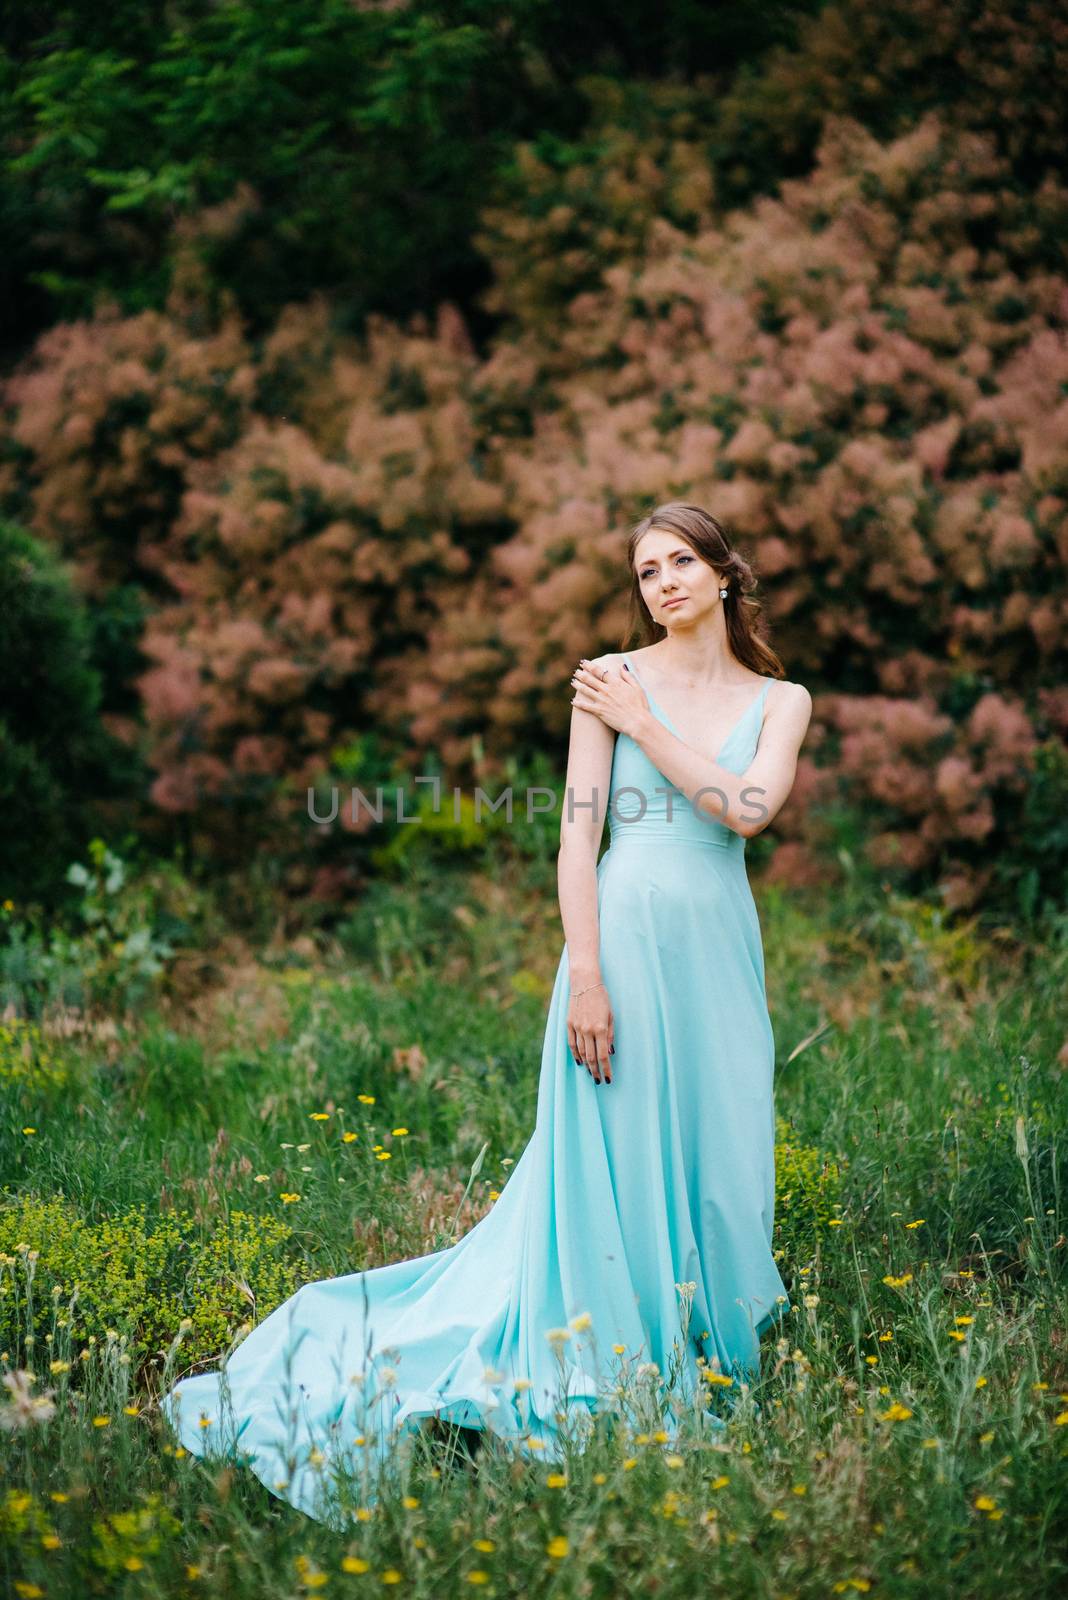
[[101, 1422], [985, 1503], [399, 1133], [895, 1413], [619, 1349], [558, 1547], [630, 1463], [476, 1575], [898, 1283], [288, 1199], [410, 1503], [391, 1575], [962, 1322], [485, 1545], [366, 1099], [383, 1155], [1059, 1421], [556, 1480], [354, 1564], [719, 1483], [917, 1224], [495, 1194], [980, 1383], [319, 1116], [347, 1138]]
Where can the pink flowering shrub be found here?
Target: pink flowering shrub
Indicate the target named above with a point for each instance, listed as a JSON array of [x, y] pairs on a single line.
[[107, 416], [865, 376]]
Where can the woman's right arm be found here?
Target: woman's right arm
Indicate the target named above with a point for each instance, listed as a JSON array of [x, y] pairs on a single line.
[[590, 1024]]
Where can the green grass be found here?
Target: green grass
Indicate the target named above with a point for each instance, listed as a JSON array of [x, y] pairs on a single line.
[[908, 1434]]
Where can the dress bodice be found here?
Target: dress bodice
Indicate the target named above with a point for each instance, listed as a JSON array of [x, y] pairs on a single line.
[[643, 804]]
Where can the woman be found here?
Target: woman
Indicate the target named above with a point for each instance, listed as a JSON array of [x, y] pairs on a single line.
[[641, 1210]]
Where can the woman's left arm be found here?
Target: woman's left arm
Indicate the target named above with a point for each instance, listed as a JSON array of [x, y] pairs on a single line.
[[746, 803]]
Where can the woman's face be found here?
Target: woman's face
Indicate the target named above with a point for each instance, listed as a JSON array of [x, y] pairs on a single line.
[[677, 586]]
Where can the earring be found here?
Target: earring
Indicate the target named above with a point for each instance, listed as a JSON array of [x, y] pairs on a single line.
[[723, 594]]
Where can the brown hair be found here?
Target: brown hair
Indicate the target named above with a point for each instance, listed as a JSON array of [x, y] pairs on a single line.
[[709, 541]]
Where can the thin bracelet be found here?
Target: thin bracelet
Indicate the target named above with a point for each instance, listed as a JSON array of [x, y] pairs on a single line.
[[577, 992]]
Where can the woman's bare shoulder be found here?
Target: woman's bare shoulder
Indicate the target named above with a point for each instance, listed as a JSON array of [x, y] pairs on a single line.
[[790, 700], [785, 690], [611, 658]]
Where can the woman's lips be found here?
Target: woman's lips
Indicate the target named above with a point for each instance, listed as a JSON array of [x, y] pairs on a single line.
[[681, 601]]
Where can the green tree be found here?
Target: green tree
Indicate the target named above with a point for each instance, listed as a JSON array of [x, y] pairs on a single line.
[[359, 141], [56, 759]]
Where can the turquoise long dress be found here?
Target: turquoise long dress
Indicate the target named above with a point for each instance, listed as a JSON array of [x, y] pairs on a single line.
[[630, 1200]]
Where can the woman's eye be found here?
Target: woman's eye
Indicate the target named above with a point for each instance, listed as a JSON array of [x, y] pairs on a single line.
[[648, 573]]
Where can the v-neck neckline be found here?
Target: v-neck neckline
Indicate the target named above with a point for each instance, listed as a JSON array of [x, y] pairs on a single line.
[[668, 722]]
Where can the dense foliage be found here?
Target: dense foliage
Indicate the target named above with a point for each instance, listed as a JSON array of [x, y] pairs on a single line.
[[53, 748], [323, 541], [359, 134]]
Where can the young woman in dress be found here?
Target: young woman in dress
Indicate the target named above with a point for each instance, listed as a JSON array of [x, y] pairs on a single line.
[[634, 1234]]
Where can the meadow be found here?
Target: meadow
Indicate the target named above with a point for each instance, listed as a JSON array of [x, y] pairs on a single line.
[[267, 1112], [340, 344]]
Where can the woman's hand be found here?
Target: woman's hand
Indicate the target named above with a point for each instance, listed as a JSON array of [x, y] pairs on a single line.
[[591, 1032], [617, 698]]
